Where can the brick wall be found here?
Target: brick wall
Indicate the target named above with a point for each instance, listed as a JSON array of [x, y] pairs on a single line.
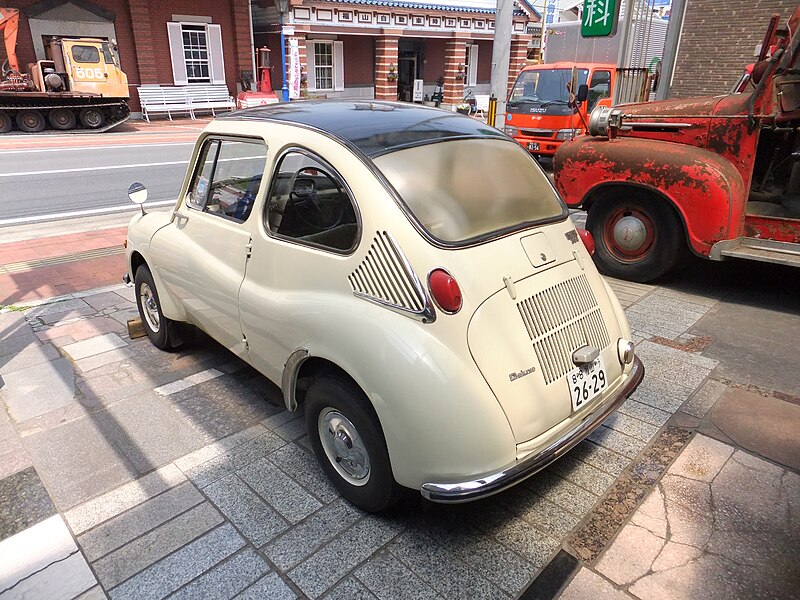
[[718, 39]]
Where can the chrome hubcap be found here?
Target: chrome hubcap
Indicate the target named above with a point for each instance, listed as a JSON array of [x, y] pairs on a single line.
[[344, 447], [149, 307], [630, 233]]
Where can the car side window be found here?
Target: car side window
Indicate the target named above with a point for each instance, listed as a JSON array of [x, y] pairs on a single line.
[[599, 88], [228, 178], [309, 203]]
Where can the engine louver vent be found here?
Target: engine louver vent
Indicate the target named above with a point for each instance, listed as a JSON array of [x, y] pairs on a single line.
[[384, 276], [561, 319]]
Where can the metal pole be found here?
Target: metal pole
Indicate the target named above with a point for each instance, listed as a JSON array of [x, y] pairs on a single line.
[[254, 81], [671, 44], [285, 88], [622, 57], [501, 52]]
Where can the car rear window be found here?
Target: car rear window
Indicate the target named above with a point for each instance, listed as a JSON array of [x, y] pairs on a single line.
[[463, 190]]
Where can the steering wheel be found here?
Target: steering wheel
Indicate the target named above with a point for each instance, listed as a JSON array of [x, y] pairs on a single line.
[[305, 201]]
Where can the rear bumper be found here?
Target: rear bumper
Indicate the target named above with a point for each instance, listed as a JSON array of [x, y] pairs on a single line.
[[497, 481]]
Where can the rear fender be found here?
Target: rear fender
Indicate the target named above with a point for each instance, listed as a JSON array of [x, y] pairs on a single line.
[[706, 190]]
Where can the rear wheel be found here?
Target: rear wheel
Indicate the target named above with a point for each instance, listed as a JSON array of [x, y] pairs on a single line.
[[156, 325], [62, 118], [348, 441], [639, 239], [30, 121], [5, 122], [92, 118]]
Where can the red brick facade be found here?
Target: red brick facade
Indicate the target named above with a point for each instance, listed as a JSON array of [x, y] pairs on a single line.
[[718, 39]]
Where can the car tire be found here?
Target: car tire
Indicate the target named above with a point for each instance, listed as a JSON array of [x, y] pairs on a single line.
[[156, 325], [348, 441], [638, 239]]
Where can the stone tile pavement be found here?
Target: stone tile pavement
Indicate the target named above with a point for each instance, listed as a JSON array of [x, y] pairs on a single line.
[[181, 473]]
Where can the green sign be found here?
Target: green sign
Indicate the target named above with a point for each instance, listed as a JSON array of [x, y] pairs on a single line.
[[600, 18]]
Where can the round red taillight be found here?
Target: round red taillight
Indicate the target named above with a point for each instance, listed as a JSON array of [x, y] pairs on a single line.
[[445, 291], [588, 240]]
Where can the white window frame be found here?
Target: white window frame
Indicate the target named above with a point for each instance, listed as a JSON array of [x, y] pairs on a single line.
[[337, 54], [472, 65], [216, 61]]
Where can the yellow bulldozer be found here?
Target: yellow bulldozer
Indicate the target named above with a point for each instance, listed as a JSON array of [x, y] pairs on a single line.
[[79, 86]]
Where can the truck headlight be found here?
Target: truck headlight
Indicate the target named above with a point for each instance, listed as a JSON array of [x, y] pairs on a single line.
[[512, 131], [566, 134]]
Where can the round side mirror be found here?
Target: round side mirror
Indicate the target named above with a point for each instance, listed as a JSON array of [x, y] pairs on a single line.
[[137, 193]]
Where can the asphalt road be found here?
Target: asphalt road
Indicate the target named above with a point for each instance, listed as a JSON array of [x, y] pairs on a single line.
[[56, 183]]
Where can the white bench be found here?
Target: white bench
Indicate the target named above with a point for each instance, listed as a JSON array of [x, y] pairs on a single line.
[[157, 99], [210, 97]]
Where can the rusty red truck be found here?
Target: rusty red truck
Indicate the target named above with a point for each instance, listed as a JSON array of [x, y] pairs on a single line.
[[718, 176]]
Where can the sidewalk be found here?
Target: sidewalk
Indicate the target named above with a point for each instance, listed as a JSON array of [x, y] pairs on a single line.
[[45, 267], [137, 473]]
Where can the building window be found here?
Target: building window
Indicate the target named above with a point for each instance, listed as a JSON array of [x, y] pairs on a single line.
[[195, 54], [323, 65]]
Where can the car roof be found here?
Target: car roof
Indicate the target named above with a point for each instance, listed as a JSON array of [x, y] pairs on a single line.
[[374, 128]]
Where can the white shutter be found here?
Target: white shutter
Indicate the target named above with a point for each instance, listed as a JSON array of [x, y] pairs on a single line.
[[472, 76], [176, 54], [338, 66], [311, 74], [214, 37]]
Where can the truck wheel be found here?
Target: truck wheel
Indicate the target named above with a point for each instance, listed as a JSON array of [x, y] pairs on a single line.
[[156, 325], [5, 122], [92, 118], [62, 118], [30, 121], [636, 239], [348, 441]]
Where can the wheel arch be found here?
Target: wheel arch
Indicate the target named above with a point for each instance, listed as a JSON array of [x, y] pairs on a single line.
[[607, 189], [171, 309], [300, 369]]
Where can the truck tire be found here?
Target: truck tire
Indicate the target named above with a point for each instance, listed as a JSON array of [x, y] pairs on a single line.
[[62, 119], [30, 121], [92, 118], [5, 122], [637, 239]]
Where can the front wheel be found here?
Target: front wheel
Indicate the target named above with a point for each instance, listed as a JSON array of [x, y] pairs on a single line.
[[156, 325], [349, 444], [638, 239]]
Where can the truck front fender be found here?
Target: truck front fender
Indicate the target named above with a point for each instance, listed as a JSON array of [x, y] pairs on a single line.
[[705, 189]]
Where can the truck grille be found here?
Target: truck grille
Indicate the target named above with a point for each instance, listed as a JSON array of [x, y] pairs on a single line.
[[542, 133], [561, 319], [384, 276]]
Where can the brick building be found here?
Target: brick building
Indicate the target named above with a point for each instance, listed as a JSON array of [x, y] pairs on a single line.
[[377, 48], [168, 43], [719, 38], [371, 49]]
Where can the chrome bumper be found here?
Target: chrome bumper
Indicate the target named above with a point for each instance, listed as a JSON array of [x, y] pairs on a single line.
[[492, 483]]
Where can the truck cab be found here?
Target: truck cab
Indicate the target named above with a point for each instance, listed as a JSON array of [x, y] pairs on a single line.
[[539, 111], [716, 176]]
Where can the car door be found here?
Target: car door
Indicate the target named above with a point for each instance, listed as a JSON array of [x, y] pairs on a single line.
[[201, 256], [310, 227]]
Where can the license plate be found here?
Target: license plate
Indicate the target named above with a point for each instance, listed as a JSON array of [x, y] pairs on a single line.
[[533, 146], [586, 382]]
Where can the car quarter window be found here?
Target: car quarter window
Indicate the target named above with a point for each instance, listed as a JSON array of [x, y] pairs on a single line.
[[309, 203], [228, 177]]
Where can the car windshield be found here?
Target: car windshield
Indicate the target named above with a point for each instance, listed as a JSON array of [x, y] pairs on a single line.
[[543, 86], [462, 190]]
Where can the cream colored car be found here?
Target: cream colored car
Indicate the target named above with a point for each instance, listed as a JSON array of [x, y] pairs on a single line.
[[411, 280]]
